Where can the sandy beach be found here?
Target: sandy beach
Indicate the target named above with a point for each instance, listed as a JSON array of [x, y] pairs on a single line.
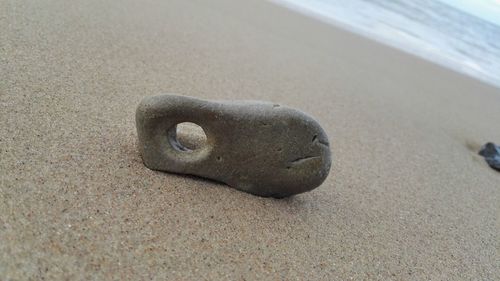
[[407, 198]]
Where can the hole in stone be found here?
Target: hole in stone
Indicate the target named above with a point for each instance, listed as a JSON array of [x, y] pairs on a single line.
[[187, 137]]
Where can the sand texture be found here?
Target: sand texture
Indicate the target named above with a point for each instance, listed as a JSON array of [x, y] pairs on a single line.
[[408, 198]]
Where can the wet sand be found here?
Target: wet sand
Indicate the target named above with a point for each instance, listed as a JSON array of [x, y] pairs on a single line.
[[408, 198]]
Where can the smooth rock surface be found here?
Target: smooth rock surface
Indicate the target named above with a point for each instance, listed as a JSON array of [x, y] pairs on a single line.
[[261, 148], [491, 153]]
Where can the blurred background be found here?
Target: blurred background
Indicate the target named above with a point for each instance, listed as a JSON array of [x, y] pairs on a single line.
[[461, 34]]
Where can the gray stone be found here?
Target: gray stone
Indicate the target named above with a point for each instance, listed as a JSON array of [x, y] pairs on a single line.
[[258, 147], [491, 153]]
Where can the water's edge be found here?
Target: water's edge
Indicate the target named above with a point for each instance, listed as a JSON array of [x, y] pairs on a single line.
[[405, 41]]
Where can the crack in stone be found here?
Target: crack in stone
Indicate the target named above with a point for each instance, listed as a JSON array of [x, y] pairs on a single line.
[[302, 160], [315, 139]]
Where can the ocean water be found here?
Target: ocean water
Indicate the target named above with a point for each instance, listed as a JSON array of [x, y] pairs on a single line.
[[430, 29]]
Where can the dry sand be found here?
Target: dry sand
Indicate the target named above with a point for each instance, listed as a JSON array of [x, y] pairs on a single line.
[[407, 197]]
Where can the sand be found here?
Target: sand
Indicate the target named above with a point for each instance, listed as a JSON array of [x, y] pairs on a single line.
[[407, 197]]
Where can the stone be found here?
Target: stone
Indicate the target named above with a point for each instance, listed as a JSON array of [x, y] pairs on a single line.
[[262, 148], [491, 153]]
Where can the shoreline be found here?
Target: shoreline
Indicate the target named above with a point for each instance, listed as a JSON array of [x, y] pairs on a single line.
[[434, 57]]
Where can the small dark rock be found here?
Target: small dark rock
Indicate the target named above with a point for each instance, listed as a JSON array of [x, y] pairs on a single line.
[[491, 153]]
